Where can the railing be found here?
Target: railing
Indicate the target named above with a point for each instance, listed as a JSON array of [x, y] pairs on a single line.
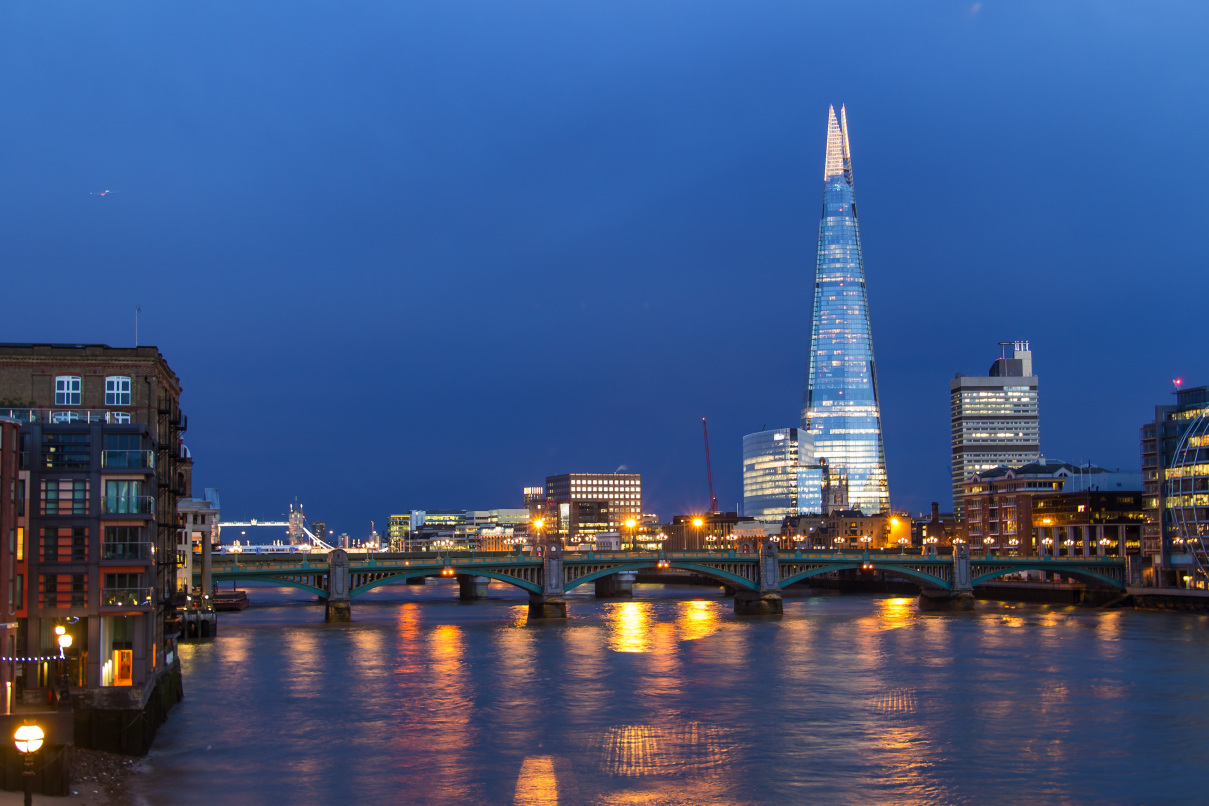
[[126, 597], [70, 415], [132, 459], [128, 505], [126, 551]]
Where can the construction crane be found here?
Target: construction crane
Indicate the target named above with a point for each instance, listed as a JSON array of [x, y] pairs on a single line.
[[709, 473]]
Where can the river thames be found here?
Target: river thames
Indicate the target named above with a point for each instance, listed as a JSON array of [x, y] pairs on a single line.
[[670, 699]]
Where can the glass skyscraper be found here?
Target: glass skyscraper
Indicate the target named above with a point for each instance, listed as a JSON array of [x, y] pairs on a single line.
[[840, 407], [775, 485]]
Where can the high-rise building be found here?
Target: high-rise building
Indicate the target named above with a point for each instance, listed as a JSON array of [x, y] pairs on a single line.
[[579, 505], [1175, 490], [995, 418], [398, 529], [840, 408], [775, 482]]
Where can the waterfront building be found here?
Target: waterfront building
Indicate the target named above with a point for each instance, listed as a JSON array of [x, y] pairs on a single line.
[[995, 418], [12, 549], [1086, 522], [1175, 474], [1000, 504], [840, 407], [779, 475], [710, 530], [579, 505], [199, 518], [104, 469]]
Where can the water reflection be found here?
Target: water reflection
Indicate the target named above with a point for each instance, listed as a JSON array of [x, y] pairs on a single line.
[[677, 701], [629, 626]]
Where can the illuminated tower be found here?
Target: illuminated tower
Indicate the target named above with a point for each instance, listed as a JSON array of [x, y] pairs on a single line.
[[840, 406]]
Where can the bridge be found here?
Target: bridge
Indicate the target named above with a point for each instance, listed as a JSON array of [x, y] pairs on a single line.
[[756, 576]]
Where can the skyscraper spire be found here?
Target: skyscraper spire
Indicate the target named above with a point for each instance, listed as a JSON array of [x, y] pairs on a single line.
[[840, 404]]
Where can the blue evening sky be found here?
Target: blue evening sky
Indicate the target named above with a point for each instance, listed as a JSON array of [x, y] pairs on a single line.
[[421, 254]]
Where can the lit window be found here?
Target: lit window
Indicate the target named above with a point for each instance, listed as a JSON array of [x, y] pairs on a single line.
[[67, 390], [117, 391]]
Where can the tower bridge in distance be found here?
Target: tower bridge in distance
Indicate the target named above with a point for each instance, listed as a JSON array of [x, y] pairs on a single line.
[[756, 573]]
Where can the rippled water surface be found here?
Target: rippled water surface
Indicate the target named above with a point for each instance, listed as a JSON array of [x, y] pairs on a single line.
[[669, 699]]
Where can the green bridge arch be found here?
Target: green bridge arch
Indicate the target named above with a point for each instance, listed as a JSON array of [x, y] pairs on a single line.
[[644, 565], [1053, 568], [924, 580], [394, 579]]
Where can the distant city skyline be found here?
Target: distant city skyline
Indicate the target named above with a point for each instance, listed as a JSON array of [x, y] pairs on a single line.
[[552, 240]]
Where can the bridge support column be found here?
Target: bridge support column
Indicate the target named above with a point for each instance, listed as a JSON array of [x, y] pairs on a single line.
[[615, 586], [766, 599], [550, 603], [961, 597], [339, 607], [471, 587]]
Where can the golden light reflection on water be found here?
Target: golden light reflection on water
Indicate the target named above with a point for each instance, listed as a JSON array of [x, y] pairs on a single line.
[[896, 612], [537, 783], [697, 620], [629, 625]]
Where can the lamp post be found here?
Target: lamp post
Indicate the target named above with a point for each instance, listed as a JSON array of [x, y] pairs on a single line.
[[28, 740], [837, 542], [1069, 547], [1013, 543], [988, 543], [866, 539], [697, 524], [630, 524], [931, 542], [1048, 542], [1103, 543], [902, 546]]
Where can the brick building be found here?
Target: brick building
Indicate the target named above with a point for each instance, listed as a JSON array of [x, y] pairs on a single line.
[[102, 469]]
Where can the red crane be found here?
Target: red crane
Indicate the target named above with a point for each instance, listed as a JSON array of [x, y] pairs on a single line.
[[709, 473]]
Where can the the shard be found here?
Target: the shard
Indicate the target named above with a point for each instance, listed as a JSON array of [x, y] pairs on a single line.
[[840, 406]]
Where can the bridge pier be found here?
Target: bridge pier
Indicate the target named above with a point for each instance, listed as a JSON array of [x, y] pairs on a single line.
[[961, 595], [616, 586], [766, 599], [339, 607], [471, 587], [550, 603]]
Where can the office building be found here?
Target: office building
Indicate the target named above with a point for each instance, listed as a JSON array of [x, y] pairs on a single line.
[[1175, 479], [105, 466], [579, 505], [995, 417], [775, 484], [398, 528], [1000, 504], [840, 407]]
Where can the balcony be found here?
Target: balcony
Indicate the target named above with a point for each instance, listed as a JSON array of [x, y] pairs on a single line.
[[137, 460], [138, 552], [72, 415], [126, 597], [128, 505]]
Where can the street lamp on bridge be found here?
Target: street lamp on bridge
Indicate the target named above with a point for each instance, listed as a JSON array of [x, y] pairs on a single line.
[[697, 524]]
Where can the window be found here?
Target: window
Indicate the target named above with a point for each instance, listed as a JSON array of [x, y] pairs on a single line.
[[63, 590], [119, 417], [125, 498], [64, 497], [125, 590], [66, 451], [117, 391], [65, 545], [67, 390], [125, 543]]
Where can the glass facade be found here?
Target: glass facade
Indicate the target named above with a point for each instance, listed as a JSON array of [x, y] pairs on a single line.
[[1187, 491], [775, 485], [840, 406]]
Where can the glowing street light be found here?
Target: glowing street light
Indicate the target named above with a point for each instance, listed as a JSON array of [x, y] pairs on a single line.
[[902, 545], [697, 524], [28, 740]]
